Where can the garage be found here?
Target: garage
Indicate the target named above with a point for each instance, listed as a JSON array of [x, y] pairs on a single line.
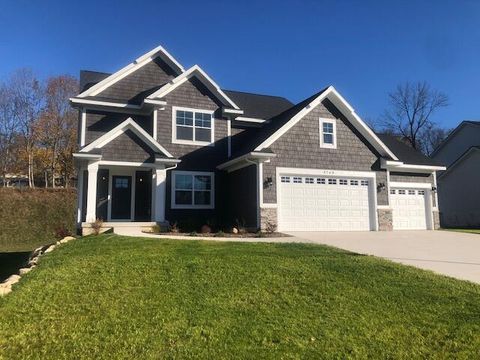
[[409, 208], [326, 203]]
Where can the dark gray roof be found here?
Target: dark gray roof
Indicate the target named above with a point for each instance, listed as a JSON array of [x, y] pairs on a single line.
[[257, 105], [251, 138], [89, 78], [406, 153]]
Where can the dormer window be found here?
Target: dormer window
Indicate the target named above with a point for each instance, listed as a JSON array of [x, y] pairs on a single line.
[[191, 126], [328, 133]]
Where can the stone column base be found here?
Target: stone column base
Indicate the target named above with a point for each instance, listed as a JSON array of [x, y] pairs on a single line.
[[385, 220], [436, 220], [268, 219]]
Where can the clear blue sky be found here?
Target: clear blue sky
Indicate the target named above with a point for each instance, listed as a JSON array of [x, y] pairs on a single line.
[[288, 48]]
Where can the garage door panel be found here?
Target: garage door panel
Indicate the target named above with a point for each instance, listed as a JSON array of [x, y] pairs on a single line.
[[408, 209], [326, 204]]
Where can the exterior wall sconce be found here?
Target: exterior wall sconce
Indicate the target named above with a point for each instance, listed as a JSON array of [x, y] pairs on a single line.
[[434, 189], [381, 186], [268, 182]]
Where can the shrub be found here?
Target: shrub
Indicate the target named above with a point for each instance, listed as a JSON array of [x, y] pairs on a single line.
[[193, 233], [97, 226], [206, 229], [156, 229], [220, 234], [62, 231], [174, 228]]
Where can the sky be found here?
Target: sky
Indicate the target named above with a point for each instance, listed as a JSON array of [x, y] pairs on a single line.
[[287, 48]]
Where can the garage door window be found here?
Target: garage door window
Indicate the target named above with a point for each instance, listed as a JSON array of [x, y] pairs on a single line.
[[320, 181], [364, 183], [332, 181], [285, 179]]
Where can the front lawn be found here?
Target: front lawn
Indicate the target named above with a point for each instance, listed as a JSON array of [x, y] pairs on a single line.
[[470, 231], [112, 297]]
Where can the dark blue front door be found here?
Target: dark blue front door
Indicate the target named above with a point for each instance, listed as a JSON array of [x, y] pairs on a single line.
[[121, 197]]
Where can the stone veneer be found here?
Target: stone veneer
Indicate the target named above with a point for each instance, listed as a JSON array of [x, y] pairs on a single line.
[[385, 219], [436, 220], [268, 216]]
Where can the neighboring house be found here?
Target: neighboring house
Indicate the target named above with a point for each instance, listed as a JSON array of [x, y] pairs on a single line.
[[162, 143], [459, 190]]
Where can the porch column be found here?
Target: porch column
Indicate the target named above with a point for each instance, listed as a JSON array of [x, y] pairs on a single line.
[[80, 181], [160, 191], [92, 192]]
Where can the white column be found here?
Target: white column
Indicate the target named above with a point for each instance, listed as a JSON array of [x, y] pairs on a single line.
[[79, 195], [160, 191], [92, 192]]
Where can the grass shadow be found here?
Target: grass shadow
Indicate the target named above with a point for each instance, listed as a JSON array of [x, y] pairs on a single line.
[[11, 262]]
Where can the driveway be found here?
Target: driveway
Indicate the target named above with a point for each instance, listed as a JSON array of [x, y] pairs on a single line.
[[446, 252]]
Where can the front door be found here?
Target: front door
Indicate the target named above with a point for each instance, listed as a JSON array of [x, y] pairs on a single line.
[[121, 197], [143, 196]]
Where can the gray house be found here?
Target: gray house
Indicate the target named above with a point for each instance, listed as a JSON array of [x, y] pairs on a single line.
[[160, 143], [459, 190]]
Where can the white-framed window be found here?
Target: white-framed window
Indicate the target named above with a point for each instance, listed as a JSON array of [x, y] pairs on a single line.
[[392, 191], [402, 192], [285, 179], [297, 180], [309, 180], [411, 192], [192, 126], [354, 182], [193, 190], [320, 181], [332, 181], [328, 133], [364, 182], [343, 182], [421, 192]]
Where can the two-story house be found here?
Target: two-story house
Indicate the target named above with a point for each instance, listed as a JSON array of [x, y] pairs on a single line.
[[160, 143]]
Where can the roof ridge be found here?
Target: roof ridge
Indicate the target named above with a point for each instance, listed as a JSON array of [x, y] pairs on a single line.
[[251, 93]]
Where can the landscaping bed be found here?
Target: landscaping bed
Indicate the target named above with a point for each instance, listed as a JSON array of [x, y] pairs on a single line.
[[113, 297]]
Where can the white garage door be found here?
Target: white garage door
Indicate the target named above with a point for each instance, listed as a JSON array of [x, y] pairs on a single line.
[[313, 203], [408, 207]]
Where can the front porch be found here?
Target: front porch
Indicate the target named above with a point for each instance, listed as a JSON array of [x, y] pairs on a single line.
[[121, 194]]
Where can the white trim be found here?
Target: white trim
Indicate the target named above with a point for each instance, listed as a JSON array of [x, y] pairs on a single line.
[[127, 164], [250, 119], [120, 129], [384, 207], [229, 138], [192, 142], [348, 111], [243, 161], [132, 67], [399, 166], [80, 195], [388, 187], [372, 187], [232, 111], [155, 124], [105, 103], [322, 121], [436, 192], [159, 195], [92, 173], [409, 185], [87, 156], [155, 102], [193, 173], [260, 189], [268, 205], [199, 74], [83, 126]]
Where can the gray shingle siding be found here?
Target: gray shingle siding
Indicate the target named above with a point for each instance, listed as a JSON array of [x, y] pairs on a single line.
[[148, 78], [127, 147], [411, 178], [300, 148]]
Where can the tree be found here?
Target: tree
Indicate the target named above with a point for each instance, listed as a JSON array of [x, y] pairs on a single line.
[[432, 138], [410, 112], [27, 100], [8, 132], [56, 127]]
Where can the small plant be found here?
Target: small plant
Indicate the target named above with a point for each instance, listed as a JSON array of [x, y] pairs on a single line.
[[61, 232], [156, 229], [240, 225], [97, 226], [220, 234], [260, 234], [174, 228], [206, 229], [193, 233], [270, 227]]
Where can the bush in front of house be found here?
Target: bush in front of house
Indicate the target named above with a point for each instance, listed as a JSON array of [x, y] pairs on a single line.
[[33, 217]]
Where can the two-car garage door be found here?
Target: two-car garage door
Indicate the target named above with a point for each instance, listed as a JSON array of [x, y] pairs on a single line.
[[324, 203]]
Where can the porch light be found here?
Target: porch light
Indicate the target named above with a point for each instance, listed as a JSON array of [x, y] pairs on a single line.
[[381, 186], [268, 182], [434, 188]]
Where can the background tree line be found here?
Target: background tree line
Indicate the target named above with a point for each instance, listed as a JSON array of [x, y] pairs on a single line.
[[38, 128]]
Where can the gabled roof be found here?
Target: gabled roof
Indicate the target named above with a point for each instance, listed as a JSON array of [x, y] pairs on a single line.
[[128, 124], [405, 153], [462, 158], [453, 133], [259, 106], [197, 72], [159, 51]]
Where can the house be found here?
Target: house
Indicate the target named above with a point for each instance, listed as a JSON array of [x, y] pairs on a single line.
[[459, 192], [160, 143]]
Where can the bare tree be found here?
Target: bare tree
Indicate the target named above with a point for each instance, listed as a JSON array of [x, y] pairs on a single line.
[[28, 100], [432, 138], [8, 132], [411, 108]]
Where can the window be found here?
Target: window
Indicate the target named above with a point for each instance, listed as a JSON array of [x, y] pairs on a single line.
[[364, 182], [320, 181], [402, 192], [285, 179], [392, 191], [421, 192], [297, 180], [192, 126], [121, 183], [328, 133], [354, 182], [192, 190], [309, 180], [332, 181], [343, 182], [411, 192]]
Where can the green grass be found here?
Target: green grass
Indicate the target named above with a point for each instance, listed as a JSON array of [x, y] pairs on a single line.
[[112, 297], [470, 231]]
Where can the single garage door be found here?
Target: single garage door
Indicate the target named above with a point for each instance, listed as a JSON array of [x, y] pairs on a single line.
[[313, 203], [408, 209]]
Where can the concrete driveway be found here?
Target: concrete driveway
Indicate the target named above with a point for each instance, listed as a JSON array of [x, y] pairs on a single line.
[[446, 252]]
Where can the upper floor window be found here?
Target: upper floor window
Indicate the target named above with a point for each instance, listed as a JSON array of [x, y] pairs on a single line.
[[192, 126], [328, 133]]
